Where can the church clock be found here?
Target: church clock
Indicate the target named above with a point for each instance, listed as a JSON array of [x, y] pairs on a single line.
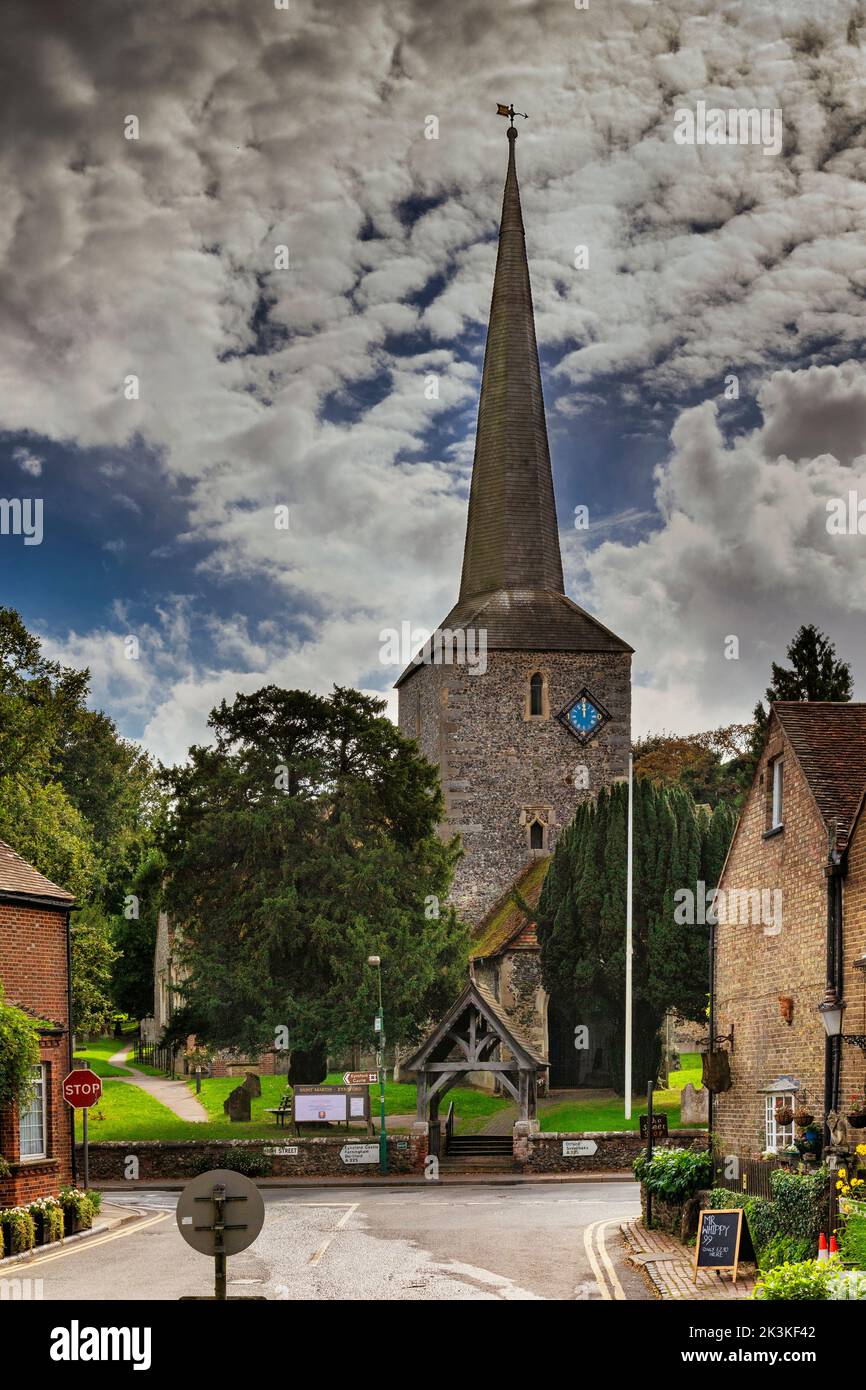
[[584, 716]]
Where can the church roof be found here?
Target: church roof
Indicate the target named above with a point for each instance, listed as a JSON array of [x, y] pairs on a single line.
[[506, 925], [512, 583]]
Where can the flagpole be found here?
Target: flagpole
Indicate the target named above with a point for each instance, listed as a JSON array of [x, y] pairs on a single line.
[[628, 945]]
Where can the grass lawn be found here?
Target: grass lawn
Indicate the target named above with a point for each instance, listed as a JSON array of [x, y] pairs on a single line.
[[606, 1113], [125, 1111], [97, 1053]]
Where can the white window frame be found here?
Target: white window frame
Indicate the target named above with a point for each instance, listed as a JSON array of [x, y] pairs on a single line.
[[39, 1107], [778, 809], [778, 1136]]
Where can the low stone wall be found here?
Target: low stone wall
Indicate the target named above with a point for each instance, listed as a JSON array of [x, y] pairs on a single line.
[[615, 1150], [288, 1157]]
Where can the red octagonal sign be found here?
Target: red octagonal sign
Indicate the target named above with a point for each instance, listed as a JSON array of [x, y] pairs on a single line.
[[82, 1088]]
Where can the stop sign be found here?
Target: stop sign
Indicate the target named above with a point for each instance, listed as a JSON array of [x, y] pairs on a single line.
[[82, 1088]]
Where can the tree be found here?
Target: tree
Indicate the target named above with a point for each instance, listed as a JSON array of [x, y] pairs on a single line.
[[302, 842], [134, 938], [581, 912], [714, 766], [93, 956], [816, 673]]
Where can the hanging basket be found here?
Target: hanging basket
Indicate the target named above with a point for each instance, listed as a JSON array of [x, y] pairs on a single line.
[[716, 1071]]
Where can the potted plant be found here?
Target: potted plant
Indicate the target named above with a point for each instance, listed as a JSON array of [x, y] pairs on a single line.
[[47, 1216], [803, 1118], [857, 1111], [19, 1230], [77, 1209], [784, 1114]]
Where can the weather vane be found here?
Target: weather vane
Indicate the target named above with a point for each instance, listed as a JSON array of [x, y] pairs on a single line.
[[510, 112]]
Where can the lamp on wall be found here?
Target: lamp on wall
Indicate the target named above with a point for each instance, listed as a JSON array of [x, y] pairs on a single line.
[[830, 1009]]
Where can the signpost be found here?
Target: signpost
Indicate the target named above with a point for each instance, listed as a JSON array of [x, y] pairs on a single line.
[[81, 1089], [220, 1213], [718, 1241], [360, 1078], [359, 1153], [578, 1148]]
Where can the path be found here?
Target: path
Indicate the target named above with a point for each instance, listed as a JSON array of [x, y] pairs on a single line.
[[669, 1266], [503, 1121], [174, 1095]]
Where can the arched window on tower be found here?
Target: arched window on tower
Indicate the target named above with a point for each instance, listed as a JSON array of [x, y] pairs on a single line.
[[536, 694], [536, 835]]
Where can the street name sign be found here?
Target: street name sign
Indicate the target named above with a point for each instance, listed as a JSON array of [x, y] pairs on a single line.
[[81, 1089], [578, 1148], [360, 1078], [360, 1153], [660, 1126], [284, 1151]]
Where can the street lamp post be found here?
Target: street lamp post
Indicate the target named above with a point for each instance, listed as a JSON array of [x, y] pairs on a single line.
[[379, 1027]]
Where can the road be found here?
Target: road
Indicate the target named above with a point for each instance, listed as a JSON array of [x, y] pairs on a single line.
[[475, 1242]]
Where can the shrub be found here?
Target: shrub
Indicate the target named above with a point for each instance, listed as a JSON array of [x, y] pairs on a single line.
[[846, 1283], [77, 1204], [801, 1202], [764, 1226], [805, 1282], [674, 1174], [720, 1197], [252, 1165], [19, 1229], [95, 1199], [49, 1212], [852, 1242], [782, 1250]]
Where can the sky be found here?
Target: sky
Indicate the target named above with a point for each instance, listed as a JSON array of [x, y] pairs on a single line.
[[240, 312]]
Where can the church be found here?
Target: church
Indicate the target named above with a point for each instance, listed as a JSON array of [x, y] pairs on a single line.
[[544, 721]]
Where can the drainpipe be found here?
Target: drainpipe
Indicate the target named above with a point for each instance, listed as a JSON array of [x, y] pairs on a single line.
[[712, 1025], [834, 872], [69, 1025]]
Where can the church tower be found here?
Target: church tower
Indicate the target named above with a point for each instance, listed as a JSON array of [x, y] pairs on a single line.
[[522, 699]]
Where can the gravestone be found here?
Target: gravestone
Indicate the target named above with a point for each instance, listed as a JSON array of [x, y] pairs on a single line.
[[252, 1084], [237, 1104], [694, 1105]]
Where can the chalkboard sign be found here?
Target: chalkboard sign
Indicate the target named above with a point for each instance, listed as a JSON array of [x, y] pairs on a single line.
[[718, 1241], [660, 1126]]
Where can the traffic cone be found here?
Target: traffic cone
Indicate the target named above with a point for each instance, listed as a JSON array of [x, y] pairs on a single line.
[[834, 1248], [823, 1252]]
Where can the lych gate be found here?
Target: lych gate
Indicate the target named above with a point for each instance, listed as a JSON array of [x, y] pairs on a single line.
[[475, 1035]]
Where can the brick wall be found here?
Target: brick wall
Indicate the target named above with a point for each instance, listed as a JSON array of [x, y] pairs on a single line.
[[495, 762], [853, 1069], [33, 971], [755, 967]]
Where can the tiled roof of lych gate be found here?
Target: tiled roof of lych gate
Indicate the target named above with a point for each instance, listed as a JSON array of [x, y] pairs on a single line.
[[829, 739], [506, 924], [19, 877]]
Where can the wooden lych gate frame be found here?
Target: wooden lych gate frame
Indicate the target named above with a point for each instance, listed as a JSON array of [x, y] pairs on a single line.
[[465, 1040]]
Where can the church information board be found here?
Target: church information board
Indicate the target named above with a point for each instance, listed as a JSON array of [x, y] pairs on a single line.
[[322, 1105], [718, 1241]]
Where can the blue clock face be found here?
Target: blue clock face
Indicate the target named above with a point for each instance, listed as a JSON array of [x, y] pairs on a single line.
[[584, 716]]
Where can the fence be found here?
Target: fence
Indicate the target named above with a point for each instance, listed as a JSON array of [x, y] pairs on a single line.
[[155, 1055], [753, 1177]]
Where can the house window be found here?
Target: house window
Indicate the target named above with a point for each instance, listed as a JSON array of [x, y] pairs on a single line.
[[778, 805], [777, 1134], [536, 694], [33, 1127], [536, 835]]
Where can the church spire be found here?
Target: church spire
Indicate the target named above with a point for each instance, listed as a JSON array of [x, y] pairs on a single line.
[[512, 541]]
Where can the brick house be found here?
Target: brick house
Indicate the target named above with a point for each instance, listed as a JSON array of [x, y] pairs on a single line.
[[34, 969], [791, 926]]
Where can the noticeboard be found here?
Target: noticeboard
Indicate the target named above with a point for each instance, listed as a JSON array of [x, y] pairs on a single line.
[[717, 1245], [322, 1105]]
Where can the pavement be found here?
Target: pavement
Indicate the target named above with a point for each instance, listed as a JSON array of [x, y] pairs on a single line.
[[669, 1268], [463, 1242], [174, 1095]]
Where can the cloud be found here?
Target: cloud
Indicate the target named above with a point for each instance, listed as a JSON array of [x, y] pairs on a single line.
[[28, 462]]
